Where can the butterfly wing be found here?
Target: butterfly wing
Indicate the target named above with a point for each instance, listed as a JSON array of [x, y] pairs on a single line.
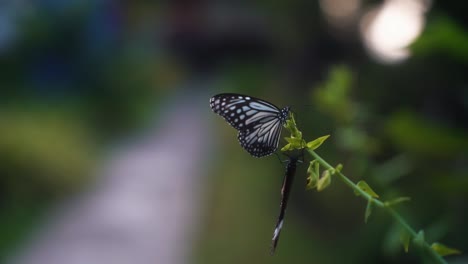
[[262, 137], [259, 122], [241, 110]]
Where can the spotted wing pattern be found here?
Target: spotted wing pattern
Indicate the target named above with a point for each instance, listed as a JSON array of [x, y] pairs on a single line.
[[259, 122]]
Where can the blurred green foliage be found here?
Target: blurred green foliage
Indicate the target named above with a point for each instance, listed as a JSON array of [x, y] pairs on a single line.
[[69, 88], [412, 133], [443, 36], [46, 154], [51, 149], [408, 133]]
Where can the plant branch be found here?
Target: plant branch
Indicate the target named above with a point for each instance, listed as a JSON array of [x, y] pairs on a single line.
[[380, 204]]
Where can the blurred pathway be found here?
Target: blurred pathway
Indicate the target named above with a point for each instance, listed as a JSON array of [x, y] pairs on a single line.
[[144, 207]]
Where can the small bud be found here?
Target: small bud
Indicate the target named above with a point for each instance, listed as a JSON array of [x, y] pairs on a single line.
[[314, 144]]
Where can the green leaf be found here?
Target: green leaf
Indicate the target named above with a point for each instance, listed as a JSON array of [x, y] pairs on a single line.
[[368, 210], [419, 238], [366, 188], [324, 181], [294, 140], [292, 127], [294, 143], [338, 168], [290, 122], [397, 201], [311, 165], [314, 144], [311, 182], [405, 240], [317, 168], [443, 250], [287, 147], [313, 177]]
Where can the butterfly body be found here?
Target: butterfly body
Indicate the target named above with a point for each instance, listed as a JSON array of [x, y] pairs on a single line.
[[285, 191], [259, 122]]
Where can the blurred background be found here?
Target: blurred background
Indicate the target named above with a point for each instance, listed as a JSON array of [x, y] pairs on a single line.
[[109, 152]]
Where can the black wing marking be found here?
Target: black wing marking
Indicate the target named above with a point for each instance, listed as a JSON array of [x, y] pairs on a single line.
[[262, 138], [259, 122], [241, 110]]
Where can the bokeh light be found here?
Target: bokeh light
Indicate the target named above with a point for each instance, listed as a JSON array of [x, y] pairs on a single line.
[[387, 30]]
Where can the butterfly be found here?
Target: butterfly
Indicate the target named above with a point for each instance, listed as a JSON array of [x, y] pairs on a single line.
[[285, 191], [259, 122]]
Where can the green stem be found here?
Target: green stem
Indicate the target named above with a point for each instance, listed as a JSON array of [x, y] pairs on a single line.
[[380, 204]]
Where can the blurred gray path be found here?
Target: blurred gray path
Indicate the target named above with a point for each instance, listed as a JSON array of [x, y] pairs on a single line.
[[144, 207]]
